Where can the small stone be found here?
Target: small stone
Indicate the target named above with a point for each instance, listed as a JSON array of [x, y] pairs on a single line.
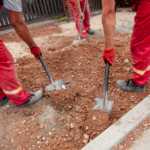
[[71, 134], [99, 55], [126, 61], [127, 69], [38, 142], [46, 143], [69, 139], [2, 145], [86, 127], [33, 118], [146, 125], [122, 108], [70, 107], [72, 125], [68, 118], [85, 141], [24, 121], [29, 112], [42, 125], [50, 133], [86, 136], [43, 138], [39, 137], [93, 118], [20, 132], [12, 140]]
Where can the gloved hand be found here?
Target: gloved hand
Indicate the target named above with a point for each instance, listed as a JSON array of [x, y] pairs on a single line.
[[108, 55], [36, 51]]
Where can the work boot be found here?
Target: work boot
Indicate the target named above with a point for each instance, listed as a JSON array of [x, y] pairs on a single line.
[[34, 97], [3, 101], [91, 32], [129, 86]]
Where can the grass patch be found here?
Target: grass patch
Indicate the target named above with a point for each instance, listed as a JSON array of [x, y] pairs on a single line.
[[60, 18]]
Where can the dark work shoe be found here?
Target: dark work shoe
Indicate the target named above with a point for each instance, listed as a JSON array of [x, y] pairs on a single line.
[[3, 101], [129, 86], [34, 97], [90, 31]]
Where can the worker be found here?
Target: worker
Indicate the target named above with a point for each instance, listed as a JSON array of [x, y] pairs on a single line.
[[77, 6], [10, 87], [140, 43]]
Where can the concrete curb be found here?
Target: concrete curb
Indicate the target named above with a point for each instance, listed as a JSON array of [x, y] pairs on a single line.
[[116, 132]]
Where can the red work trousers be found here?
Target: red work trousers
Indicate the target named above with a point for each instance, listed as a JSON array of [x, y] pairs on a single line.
[[9, 83], [86, 21], [140, 44]]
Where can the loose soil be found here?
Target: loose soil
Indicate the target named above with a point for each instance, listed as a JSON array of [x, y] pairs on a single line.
[[65, 119]]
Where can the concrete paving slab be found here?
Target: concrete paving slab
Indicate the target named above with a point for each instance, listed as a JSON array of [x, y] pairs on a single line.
[[116, 132]]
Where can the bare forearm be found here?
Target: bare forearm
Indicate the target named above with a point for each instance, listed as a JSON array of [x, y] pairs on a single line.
[[21, 28], [77, 3], [109, 22], [24, 34]]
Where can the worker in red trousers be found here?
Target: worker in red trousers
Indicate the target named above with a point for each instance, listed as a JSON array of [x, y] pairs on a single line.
[[140, 43], [77, 6], [10, 87]]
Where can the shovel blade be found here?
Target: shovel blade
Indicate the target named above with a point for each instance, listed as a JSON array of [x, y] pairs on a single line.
[[78, 41], [57, 85], [107, 106]]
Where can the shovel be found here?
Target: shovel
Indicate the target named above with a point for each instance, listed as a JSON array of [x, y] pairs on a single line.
[[58, 84], [105, 104], [80, 39]]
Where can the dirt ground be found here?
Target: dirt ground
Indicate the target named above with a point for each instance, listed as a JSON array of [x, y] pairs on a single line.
[[65, 119]]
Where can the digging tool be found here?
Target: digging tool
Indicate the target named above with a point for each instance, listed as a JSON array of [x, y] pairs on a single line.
[[104, 104], [80, 39], [58, 84]]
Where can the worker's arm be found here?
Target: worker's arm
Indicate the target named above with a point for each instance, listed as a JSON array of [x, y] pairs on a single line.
[[23, 32], [21, 28], [77, 3], [109, 22]]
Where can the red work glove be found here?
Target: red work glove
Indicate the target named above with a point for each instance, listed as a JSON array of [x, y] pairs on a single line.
[[108, 55], [36, 51]]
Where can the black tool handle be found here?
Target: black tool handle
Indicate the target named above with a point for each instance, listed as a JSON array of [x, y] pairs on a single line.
[[46, 70], [82, 20], [106, 81]]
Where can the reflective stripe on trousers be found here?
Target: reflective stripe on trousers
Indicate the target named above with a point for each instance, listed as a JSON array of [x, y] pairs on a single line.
[[9, 83], [140, 44]]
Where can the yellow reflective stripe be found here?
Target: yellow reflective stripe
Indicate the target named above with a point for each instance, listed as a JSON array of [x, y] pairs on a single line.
[[83, 31], [141, 72], [14, 91]]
